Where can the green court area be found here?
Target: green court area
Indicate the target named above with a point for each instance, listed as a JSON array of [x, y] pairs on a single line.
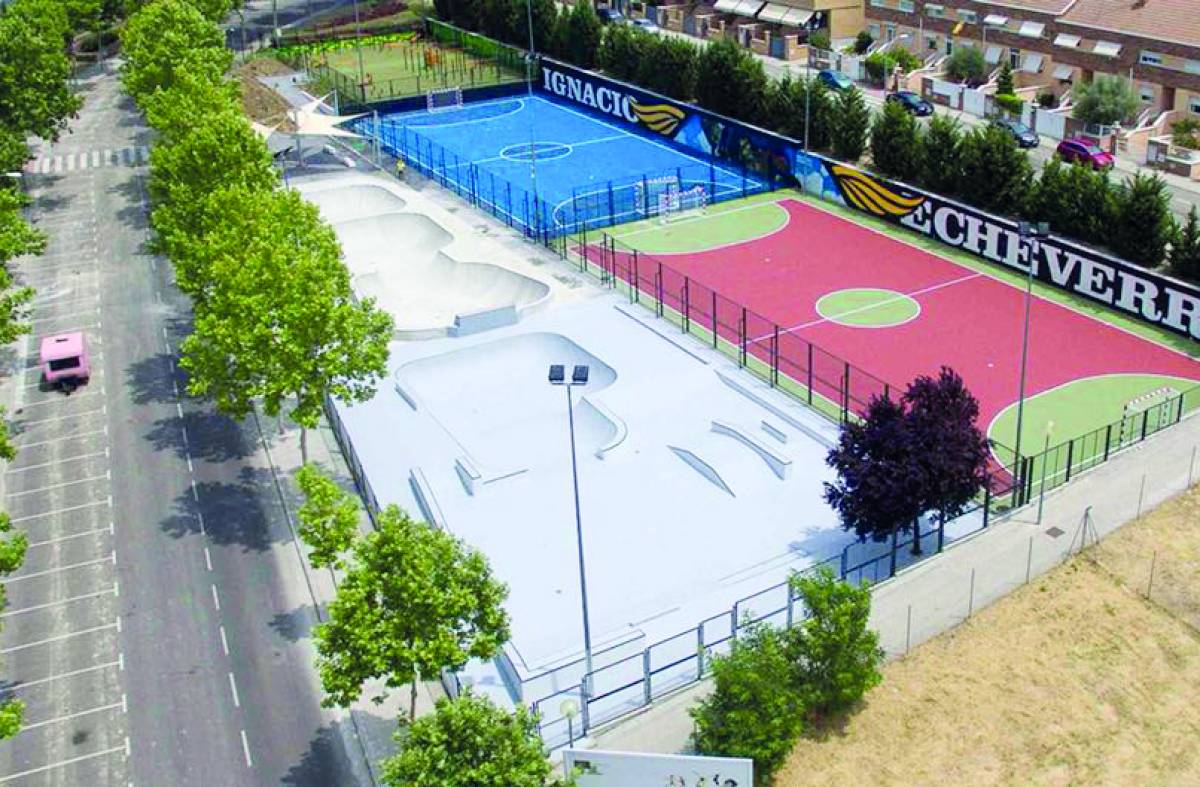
[[868, 307], [409, 67], [727, 223]]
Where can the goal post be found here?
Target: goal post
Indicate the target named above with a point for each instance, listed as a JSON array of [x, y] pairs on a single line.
[[675, 204], [444, 99]]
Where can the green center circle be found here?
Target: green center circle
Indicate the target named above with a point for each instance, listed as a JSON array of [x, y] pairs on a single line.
[[867, 307]]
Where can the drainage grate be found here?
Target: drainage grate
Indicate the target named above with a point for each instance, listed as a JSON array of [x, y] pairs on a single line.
[[1055, 532]]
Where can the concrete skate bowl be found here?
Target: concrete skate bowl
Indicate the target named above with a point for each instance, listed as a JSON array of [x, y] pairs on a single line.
[[354, 201], [494, 400], [398, 259]]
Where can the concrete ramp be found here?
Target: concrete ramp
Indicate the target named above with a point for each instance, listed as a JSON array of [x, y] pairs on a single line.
[[353, 201], [369, 242]]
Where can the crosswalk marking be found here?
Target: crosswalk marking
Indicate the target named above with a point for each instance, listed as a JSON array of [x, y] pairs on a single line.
[[90, 159]]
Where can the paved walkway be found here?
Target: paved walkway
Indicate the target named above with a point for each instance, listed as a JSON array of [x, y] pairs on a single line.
[[936, 595]]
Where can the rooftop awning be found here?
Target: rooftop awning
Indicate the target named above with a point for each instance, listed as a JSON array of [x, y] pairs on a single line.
[[1031, 29], [1067, 40], [993, 54], [726, 6], [937, 9], [995, 20], [747, 7], [796, 17], [1064, 73], [1032, 63], [1107, 48], [773, 13]]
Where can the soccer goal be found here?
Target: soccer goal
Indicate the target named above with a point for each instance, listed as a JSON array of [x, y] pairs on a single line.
[[444, 99], [676, 204], [1147, 412]]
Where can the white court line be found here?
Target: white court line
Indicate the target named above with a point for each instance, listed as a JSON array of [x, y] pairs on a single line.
[[40, 489], [69, 716], [58, 461], [27, 683], [112, 558], [49, 604], [712, 213], [67, 510], [570, 145], [59, 638], [900, 297], [62, 763]]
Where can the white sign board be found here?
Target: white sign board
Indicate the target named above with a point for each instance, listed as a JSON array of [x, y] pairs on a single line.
[[629, 769]]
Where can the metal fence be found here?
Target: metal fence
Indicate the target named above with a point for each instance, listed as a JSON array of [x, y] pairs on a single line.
[[601, 204]]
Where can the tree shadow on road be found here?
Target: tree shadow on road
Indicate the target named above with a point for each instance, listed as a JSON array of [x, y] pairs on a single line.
[[130, 213], [325, 764], [235, 514], [296, 624]]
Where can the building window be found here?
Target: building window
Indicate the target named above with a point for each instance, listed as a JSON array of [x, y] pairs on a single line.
[[969, 17], [1147, 93], [1194, 106], [931, 44], [1192, 67], [906, 5], [874, 31], [878, 4], [935, 11], [1014, 59], [1151, 58], [890, 33]]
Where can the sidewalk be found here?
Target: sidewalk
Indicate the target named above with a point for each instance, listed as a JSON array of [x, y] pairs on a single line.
[[937, 594]]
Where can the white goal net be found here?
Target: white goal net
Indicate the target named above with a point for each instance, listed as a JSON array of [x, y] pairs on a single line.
[[675, 204], [444, 99]]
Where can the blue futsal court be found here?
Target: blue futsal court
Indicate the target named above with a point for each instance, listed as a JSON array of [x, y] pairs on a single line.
[[547, 167]]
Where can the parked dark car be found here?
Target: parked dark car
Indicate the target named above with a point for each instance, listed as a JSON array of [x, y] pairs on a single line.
[[1084, 151], [610, 15], [911, 102], [835, 80], [1022, 134], [645, 24]]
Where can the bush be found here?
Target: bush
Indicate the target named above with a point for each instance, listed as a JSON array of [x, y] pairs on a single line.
[[996, 174], [1075, 200], [1185, 249], [850, 124], [1143, 225], [862, 42], [1106, 100], [1186, 133], [754, 710], [1047, 100], [966, 64], [895, 142], [819, 40], [1010, 103], [1004, 82], [731, 81], [941, 155]]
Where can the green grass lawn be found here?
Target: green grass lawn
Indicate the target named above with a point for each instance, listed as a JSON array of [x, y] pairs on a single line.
[[401, 68]]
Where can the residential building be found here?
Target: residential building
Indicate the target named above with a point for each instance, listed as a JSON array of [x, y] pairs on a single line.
[[1053, 44], [770, 27]]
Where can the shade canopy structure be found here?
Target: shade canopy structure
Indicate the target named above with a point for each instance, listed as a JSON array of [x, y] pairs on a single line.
[[312, 122]]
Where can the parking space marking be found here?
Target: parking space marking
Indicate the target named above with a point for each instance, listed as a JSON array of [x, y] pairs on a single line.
[[49, 604], [59, 719], [96, 668], [111, 558], [67, 510], [77, 458], [41, 489], [92, 393], [59, 539], [61, 763], [61, 438], [59, 638], [57, 418]]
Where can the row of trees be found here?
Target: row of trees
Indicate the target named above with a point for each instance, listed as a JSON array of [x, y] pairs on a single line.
[[984, 167], [275, 319], [774, 681], [35, 101]]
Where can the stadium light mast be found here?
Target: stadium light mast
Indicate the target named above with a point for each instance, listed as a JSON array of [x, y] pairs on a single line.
[[529, 86], [579, 377], [1027, 232], [362, 74]]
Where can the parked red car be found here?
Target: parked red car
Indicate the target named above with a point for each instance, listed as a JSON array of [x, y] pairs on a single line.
[[1084, 151]]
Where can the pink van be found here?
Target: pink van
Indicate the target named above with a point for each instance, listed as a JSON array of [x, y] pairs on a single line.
[[64, 360]]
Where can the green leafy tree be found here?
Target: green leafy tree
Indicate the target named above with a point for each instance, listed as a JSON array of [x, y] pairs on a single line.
[[558, 43], [328, 518], [500, 19], [13, 155], [1143, 225], [17, 237], [1106, 100], [1004, 81], [677, 63], [8, 451], [896, 142], [192, 100], [168, 38], [469, 742], [50, 18], [862, 42], [1185, 249], [1074, 200], [966, 64], [214, 10], [585, 35], [12, 555], [940, 157], [997, 175], [851, 121], [414, 601], [754, 710], [730, 81], [34, 69], [835, 653], [620, 52], [11, 713]]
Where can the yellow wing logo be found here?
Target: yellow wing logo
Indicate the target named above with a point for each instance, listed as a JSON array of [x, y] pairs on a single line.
[[868, 194], [662, 118]]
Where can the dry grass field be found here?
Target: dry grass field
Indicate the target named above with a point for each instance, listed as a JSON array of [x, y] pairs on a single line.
[[260, 102], [1074, 679]]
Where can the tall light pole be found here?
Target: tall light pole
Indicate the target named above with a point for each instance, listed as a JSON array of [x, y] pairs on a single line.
[[579, 377], [1027, 232], [362, 74], [532, 138]]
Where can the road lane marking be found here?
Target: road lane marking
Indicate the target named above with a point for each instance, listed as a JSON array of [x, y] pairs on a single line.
[[59, 638], [224, 641], [246, 750], [237, 703], [216, 598], [208, 559]]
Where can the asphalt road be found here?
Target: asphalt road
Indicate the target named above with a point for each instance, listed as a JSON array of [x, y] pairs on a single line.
[[158, 630]]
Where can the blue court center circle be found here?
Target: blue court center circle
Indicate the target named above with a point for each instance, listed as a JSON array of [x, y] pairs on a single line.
[[541, 151]]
